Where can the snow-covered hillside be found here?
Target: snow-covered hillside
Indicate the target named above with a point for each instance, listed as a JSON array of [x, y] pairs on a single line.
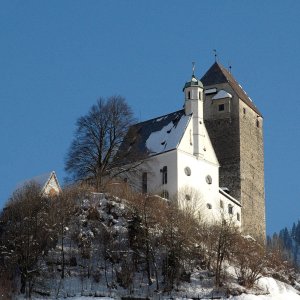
[[113, 248]]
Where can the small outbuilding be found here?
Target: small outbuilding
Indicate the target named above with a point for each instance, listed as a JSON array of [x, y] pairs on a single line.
[[47, 182]]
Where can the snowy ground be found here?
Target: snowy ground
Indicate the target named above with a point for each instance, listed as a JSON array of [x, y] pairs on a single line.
[[76, 285], [275, 290]]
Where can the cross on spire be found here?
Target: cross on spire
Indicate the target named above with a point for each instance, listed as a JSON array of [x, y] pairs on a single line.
[[193, 68]]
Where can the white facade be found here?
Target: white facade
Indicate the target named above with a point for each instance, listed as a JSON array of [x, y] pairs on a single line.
[[192, 182], [183, 165]]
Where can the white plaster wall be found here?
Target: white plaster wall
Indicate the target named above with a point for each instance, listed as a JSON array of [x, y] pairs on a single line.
[[223, 212], [196, 183], [187, 143], [153, 167], [203, 194]]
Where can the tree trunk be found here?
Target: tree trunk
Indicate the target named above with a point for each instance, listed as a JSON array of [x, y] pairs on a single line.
[[63, 253], [23, 283]]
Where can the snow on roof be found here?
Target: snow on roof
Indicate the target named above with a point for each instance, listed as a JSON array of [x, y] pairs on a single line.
[[157, 135], [210, 91], [168, 137], [221, 94]]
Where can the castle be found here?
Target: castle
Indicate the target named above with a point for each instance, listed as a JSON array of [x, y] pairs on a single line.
[[213, 148]]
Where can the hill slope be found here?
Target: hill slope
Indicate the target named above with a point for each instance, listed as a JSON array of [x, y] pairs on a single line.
[[139, 248]]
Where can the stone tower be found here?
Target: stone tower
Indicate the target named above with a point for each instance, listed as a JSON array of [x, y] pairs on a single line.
[[235, 127]]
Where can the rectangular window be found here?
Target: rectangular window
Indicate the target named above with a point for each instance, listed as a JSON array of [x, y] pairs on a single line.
[[221, 107], [144, 183], [221, 204], [230, 209], [164, 175]]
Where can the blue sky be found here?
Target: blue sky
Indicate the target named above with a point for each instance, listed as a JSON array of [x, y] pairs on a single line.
[[57, 57]]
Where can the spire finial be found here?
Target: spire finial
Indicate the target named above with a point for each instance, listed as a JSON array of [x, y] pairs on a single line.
[[193, 68], [216, 55]]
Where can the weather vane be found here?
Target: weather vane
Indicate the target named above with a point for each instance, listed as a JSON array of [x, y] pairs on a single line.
[[193, 63], [229, 66], [216, 55]]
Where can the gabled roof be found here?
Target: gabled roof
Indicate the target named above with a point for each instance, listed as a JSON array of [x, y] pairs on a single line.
[[155, 136], [41, 181], [218, 74]]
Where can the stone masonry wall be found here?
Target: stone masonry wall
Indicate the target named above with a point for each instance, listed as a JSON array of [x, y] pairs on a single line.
[[238, 143], [224, 137], [252, 173]]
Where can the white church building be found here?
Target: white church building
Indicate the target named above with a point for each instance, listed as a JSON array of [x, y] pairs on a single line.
[[181, 163]]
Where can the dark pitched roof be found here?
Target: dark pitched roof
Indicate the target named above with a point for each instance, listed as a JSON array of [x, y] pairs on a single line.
[[218, 74], [154, 136]]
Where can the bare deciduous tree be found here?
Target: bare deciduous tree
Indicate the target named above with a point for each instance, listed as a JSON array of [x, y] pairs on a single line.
[[251, 260], [190, 203], [62, 210], [93, 154], [26, 234]]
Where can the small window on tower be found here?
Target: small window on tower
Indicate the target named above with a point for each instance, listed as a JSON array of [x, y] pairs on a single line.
[[244, 110], [257, 123], [189, 95], [221, 107], [199, 95], [238, 216]]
